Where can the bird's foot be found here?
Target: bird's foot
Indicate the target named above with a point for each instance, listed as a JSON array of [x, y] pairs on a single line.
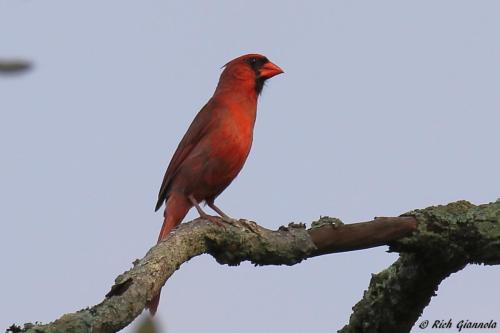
[[228, 220], [214, 219], [250, 225]]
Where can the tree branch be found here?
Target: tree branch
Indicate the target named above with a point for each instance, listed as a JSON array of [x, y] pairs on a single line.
[[448, 238], [428, 256]]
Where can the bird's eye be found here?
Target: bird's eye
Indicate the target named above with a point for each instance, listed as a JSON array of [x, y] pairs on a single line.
[[254, 63]]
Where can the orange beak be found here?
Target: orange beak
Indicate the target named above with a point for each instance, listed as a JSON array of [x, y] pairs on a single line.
[[268, 70]]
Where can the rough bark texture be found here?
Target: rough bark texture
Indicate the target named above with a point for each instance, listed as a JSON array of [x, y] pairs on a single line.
[[446, 239]]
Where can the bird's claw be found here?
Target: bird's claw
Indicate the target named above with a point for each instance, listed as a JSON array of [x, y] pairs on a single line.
[[250, 225], [229, 220], [215, 220]]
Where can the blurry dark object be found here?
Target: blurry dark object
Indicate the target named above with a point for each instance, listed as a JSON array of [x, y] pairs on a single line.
[[14, 66], [147, 326]]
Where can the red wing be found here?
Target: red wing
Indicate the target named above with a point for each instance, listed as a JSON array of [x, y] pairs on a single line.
[[201, 123]]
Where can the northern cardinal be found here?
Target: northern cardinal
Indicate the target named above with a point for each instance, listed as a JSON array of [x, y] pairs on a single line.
[[215, 146]]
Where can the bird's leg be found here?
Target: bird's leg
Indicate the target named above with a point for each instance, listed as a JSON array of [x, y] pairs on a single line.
[[204, 215], [224, 216]]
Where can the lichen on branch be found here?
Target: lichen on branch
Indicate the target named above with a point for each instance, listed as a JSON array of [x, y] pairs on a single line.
[[433, 242], [449, 237]]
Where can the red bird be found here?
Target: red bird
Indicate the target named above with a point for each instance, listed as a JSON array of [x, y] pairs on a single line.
[[215, 146]]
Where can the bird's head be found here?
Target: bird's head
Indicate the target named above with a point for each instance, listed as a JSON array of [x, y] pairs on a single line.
[[252, 69]]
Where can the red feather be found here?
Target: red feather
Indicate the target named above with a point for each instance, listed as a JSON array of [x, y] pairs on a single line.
[[216, 145]]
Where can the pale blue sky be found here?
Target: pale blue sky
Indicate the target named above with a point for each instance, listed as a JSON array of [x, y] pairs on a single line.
[[384, 107]]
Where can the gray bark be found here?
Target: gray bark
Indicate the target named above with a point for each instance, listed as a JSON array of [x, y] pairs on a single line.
[[433, 243]]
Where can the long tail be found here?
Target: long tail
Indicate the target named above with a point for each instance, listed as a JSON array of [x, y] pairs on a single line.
[[177, 207], [167, 226]]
